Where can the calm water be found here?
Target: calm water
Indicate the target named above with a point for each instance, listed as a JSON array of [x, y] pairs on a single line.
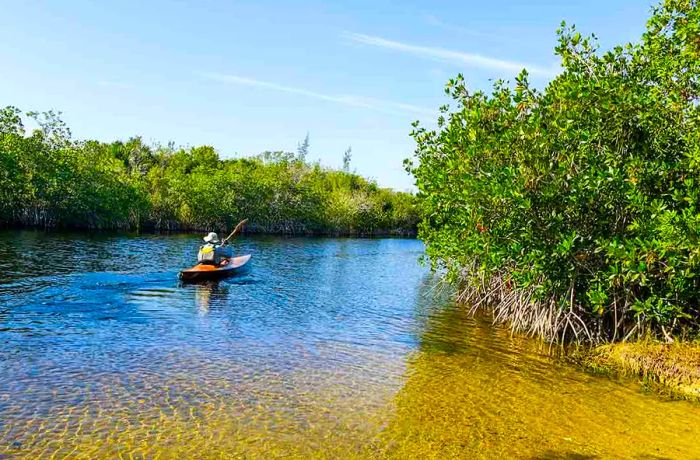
[[329, 348]]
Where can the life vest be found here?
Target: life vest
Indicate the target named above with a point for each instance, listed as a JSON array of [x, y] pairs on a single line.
[[211, 254]]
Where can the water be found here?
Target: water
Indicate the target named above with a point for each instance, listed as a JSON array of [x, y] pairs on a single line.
[[325, 348]]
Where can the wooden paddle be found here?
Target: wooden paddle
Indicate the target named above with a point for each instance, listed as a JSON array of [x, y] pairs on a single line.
[[235, 231]]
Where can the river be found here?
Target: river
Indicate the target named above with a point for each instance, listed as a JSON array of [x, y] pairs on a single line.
[[325, 348]]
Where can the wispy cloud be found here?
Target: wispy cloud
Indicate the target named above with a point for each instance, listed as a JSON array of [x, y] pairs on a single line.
[[458, 57], [354, 101]]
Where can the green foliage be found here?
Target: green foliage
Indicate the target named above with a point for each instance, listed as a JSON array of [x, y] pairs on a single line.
[[49, 180], [586, 193], [347, 157]]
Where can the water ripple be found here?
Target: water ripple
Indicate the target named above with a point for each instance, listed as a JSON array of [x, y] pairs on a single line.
[[330, 348]]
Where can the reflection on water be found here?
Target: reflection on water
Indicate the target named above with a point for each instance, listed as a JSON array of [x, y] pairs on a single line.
[[205, 293], [327, 348]]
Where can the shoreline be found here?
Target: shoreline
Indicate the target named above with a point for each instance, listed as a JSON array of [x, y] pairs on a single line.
[[671, 369], [668, 369], [188, 231]]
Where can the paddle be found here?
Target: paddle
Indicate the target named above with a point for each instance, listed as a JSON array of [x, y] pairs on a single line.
[[235, 231]]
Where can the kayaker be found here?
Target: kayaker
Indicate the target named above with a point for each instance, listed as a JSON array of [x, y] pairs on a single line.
[[215, 258], [212, 251]]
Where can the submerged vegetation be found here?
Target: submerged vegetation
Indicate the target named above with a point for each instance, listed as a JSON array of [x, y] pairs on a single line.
[[49, 180], [672, 368], [574, 212]]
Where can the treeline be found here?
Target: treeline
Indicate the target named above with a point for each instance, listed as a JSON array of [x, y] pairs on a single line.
[[574, 212], [49, 180]]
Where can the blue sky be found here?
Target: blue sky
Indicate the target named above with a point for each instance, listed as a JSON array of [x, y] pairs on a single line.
[[252, 76]]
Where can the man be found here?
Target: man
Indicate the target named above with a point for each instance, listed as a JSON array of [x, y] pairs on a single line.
[[213, 250]]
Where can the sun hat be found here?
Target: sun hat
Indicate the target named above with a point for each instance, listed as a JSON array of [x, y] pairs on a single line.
[[211, 238]]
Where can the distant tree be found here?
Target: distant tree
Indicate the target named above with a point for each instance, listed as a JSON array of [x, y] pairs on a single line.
[[347, 156], [11, 121], [303, 148], [51, 127], [138, 156], [277, 156]]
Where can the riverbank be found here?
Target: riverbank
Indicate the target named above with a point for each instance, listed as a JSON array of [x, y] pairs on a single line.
[[50, 180], [570, 212], [249, 229], [670, 369]]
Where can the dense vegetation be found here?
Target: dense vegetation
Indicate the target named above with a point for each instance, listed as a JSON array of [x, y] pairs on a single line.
[[49, 180], [574, 212]]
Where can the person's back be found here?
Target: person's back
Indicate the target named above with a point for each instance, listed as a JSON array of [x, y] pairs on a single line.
[[207, 254], [212, 251]]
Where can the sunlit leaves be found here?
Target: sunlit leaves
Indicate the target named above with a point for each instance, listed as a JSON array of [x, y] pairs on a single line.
[[591, 183]]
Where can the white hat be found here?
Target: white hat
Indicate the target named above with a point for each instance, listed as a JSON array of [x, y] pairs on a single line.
[[211, 238]]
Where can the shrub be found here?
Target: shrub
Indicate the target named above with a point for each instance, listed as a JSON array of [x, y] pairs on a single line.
[[573, 211], [49, 180]]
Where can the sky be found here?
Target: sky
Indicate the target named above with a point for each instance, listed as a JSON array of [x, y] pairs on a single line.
[[251, 76]]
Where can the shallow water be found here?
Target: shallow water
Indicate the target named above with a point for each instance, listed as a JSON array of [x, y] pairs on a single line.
[[325, 348]]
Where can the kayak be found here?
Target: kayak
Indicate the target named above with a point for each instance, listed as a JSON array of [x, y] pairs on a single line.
[[203, 272]]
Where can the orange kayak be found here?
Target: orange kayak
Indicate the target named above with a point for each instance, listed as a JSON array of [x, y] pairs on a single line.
[[203, 272]]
